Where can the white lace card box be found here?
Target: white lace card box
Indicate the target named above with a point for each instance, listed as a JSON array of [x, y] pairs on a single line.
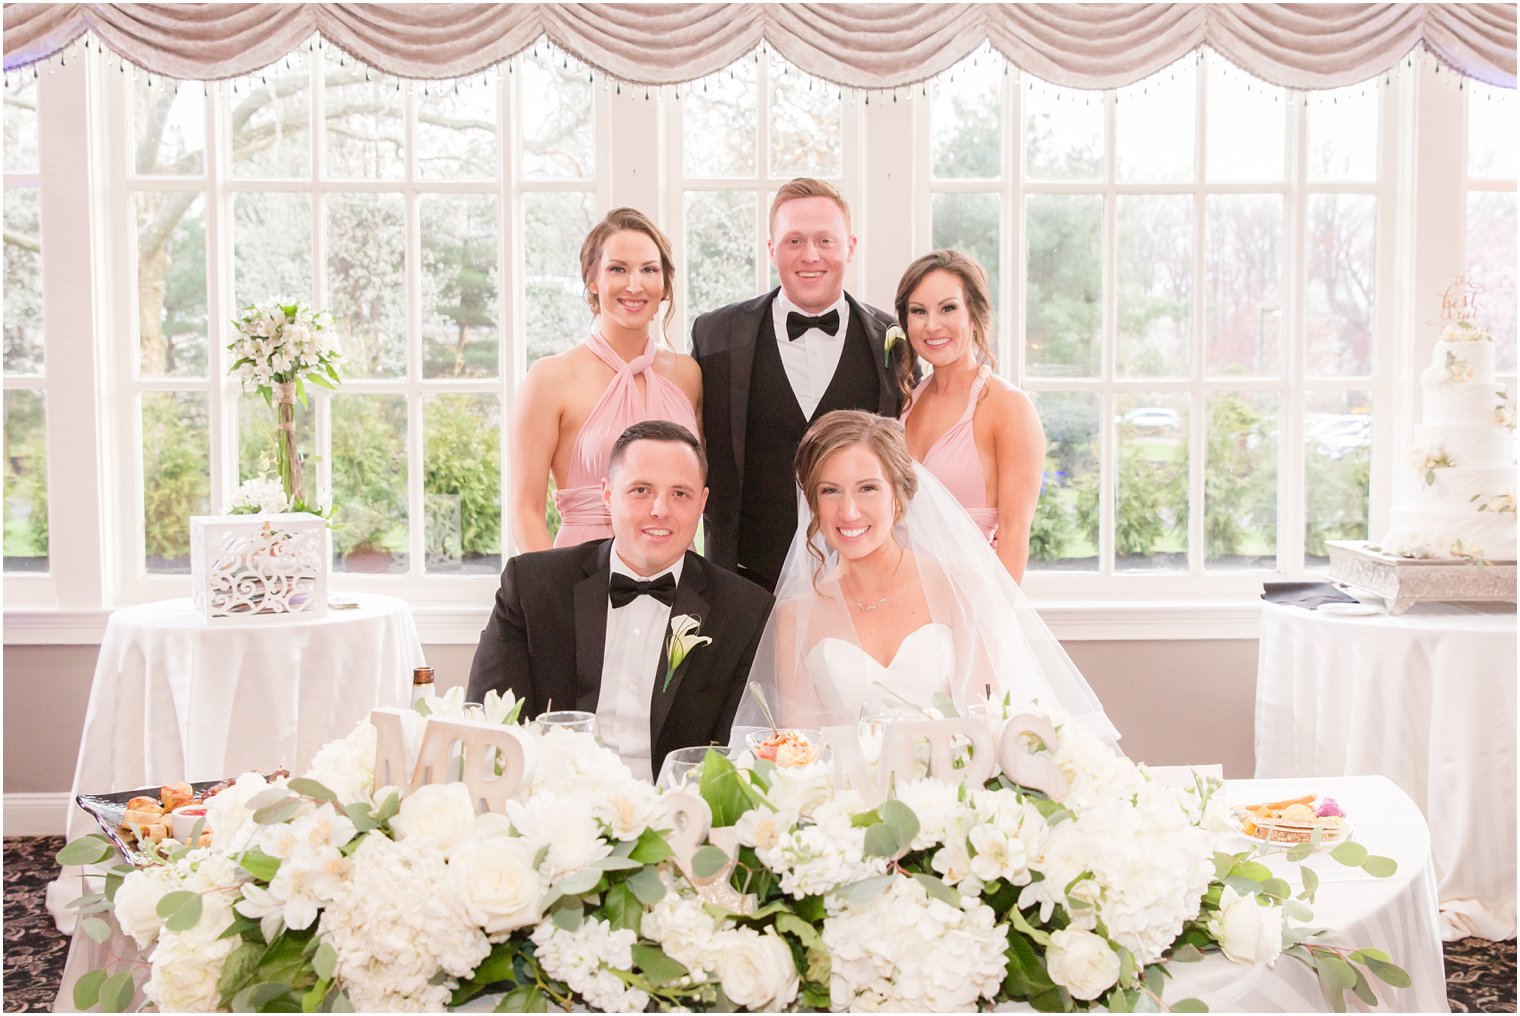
[[259, 565]]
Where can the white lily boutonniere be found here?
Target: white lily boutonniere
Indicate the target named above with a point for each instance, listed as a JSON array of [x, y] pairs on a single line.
[[895, 334], [683, 639]]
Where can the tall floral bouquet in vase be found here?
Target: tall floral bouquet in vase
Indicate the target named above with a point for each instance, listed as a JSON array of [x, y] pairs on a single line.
[[279, 348]]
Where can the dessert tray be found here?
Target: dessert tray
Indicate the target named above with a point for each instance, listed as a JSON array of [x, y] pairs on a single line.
[[1292, 822], [1403, 581], [108, 811]]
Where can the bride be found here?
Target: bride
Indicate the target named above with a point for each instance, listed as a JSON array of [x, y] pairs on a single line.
[[890, 592]]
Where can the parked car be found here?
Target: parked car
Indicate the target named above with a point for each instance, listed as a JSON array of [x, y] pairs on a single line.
[[1154, 419], [1338, 435]]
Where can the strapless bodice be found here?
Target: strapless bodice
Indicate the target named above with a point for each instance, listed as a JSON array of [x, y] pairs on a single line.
[[846, 677]]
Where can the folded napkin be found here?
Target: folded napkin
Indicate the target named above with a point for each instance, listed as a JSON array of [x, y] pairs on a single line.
[[1308, 595]]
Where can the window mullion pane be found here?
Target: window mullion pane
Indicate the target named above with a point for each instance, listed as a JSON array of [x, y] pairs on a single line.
[[1108, 410], [1290, 493]]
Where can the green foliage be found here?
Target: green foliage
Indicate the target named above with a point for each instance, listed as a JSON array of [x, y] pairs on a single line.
[[1151, 505], [369, 473], [1336, 491], [176, 473], [1240, 479], [461, 455], [25, 475], [1051, 530]]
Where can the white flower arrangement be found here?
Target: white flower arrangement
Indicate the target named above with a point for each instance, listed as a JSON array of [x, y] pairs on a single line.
[[1465, 330], [1453, 370], [1504, 502], [328, 892], [259, 495], [1425, 461]]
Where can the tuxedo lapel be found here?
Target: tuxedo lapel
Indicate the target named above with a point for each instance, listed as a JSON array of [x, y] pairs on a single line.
[[742, 338], [691, 599], [589, 629], [876, 337]]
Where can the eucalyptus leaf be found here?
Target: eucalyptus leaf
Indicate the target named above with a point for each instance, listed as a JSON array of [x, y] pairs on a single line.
[[1188, 1005], [1311, 883], [647, 886], [1334, 970], [274, 814], [652, 848], [87, 989], [1350, 853], [91, 849], [791, 924], [882, 841], [615, 863], [96, 929], [340, 1003], [180, 909], [1253, 870], [1363, 990], [389, 807], [1389, 973], [1120, 1000], [1146, 1003], [307, 787], [866, 890], [1277, 888], [582, 881], [900, 818], [86, 903], [268, 798], [1380, 867], [945, 704], [568, 918], [661, 969], [936, 888], [1186, 953], [1296, 910], [116, 992], [708, 861], [325, 961], [257, 997], [1300, 851]]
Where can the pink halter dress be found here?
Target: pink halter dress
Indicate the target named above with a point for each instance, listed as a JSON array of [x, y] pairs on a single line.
[[583, 516], [954, 461]]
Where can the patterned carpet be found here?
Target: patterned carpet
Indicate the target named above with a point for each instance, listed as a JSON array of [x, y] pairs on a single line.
[[1480, 975]]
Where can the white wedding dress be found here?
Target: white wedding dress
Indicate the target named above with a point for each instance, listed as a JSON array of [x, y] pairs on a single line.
[[849, 679], [983, 640]]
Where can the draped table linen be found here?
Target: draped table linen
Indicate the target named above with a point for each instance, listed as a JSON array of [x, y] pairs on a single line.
[[1427, 699], [176, 697], [1396, 914]]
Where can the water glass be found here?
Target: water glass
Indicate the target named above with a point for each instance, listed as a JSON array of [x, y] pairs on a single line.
[[570, 719], [680, 765]]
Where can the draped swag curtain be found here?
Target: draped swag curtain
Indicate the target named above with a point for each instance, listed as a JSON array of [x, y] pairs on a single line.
[[871, 46]]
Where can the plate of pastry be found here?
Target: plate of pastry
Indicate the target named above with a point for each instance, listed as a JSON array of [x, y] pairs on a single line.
[[132, 818], [1293, 821]]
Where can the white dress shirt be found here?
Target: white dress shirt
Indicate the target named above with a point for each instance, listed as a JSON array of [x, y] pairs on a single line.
[[636, 633], [811, 358]]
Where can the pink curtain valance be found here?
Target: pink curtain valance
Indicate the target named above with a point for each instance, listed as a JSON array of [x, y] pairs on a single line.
[[1304, 46]]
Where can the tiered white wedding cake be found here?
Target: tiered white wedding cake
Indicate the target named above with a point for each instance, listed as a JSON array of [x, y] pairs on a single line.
[[1458, 500]]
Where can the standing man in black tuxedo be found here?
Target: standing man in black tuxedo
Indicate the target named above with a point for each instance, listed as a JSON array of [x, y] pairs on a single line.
[[772, 365], [589, 627]]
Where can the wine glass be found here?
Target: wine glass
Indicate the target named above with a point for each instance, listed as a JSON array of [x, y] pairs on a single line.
[[569, 719], [680, 765]]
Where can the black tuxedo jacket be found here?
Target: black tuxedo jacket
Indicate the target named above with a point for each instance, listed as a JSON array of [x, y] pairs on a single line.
[[547, 637], [723, 343]]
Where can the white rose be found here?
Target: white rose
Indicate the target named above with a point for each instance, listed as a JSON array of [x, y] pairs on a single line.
[[1247, 931], [756, 970], [440, 815], [497, 882], [1082, 963], [137, 903], [801, 789]]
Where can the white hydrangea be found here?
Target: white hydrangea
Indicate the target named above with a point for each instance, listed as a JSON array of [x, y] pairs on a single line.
[[564, 828], [186, 965], [229, 815], [905, 951], [1137, 863], [136, 901], [585, 960], [347, 766], [400, 931], [800, 789], [942, 817], [684, 929], [572, 765], [815, 859]]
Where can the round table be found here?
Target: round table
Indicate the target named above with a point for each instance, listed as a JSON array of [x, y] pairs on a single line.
[[176, 697], [1427, 699]]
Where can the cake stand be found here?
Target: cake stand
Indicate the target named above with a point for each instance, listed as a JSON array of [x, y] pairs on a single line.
[[1404, 581]]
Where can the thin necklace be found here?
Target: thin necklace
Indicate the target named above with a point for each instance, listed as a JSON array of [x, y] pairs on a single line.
[[882, 602]]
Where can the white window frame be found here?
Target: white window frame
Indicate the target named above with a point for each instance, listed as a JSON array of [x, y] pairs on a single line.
[[95, 499]]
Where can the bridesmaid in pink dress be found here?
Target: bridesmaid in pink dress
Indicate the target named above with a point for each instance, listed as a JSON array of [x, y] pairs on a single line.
[[978, 434], [572, 406]]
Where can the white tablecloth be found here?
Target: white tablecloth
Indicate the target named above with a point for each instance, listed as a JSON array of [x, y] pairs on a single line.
[[1428, 700], [1396, 914], [178, 698]]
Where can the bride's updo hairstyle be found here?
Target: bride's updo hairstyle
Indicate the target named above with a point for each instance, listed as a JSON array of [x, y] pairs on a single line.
[[630, 220], [838, 430], [973, 280]]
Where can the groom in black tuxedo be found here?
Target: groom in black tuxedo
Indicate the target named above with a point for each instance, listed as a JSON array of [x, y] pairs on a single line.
[[773, 365], [590, 627]]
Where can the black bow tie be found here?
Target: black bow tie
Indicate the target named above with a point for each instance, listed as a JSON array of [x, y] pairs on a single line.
[[797, 323], [625, 589]]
